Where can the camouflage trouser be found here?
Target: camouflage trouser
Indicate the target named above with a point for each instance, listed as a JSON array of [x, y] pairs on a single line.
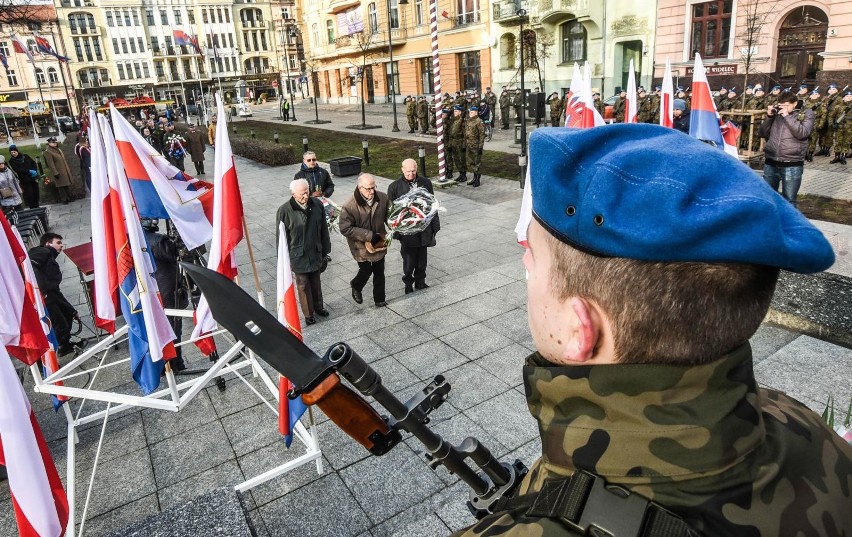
[[826, 138], [474, 157], [458, 158], [412, 123], [448, 158], [424, 123], [554, 120], [517, 114], [504, 116], [843, 138], [812, 141]]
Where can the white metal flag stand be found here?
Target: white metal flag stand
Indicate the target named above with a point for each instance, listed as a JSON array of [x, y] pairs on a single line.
[[173, 398]]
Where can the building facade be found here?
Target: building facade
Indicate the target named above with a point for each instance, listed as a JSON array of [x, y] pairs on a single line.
[[348, 44], [774, 42], [558, 33]]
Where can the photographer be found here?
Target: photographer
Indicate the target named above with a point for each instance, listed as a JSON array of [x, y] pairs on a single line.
[[786, 130]]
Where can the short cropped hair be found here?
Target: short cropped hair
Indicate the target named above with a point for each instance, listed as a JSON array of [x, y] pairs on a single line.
[[685, 313], [787, 97], [306, 153], [48, 238], [296, 182]]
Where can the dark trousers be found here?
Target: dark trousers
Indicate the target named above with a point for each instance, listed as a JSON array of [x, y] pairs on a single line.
[[377, 270], [199, 166], [309, 288], [86, 173], [61, 314], [285, 113], [176, 162], [30, 193], [64, 193], [414, 265]]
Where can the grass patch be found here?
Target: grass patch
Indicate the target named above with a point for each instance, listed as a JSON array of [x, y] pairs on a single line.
[[826, 209], [386, 154]]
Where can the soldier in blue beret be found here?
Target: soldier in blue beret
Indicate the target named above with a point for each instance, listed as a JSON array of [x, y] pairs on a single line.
[[652, 259]]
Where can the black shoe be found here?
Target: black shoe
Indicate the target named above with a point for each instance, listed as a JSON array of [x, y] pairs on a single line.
[[836, 159], [356, 296], [322, 313], [310, 320], [381, 304], [423, 285], [411, 132], [843, 159], [449, 175], [409, 289], [461, 178], [809, 156], [475, 180]]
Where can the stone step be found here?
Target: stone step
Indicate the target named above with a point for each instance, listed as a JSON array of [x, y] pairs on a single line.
[[819, 305]]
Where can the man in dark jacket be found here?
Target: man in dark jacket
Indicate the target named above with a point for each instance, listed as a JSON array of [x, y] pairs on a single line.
[[169, 281], [413, 247], [196, 140], [49, 277], [680, 121], [786, 131], [362, 222], [27, 171], [318, 178], [308, 244]]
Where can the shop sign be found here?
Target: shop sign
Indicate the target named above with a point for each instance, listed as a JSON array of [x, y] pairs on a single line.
[[714, 70], [8, 97]]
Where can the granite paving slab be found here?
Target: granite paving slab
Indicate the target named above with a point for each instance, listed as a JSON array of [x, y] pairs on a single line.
[[252, 427], [160, 425], [768, 340], [475, 341], [431, 358], [506, 416], [120, 516], [190, 453], [226, 474], [506, 364], [132, 474], [266, 458]]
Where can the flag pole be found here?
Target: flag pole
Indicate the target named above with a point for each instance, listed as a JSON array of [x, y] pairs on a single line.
[[253, 263]]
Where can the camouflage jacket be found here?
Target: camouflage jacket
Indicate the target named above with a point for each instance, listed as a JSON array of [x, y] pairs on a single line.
[[505, 101], [704, 441], [474, 133], [456, 131], [491, 99]]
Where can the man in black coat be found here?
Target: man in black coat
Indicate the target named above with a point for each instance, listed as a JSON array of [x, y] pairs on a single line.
[[308, 244], [318, 178], [173, 292], [49, 277], [413, 247]]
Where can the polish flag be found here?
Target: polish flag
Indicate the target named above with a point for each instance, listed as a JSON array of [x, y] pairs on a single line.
[[667, 98], [631, 107], [20, 326], [104, 251], [591, 117], [289, 411], [227, 225], [21, 48], [571, 104], [704, 121]]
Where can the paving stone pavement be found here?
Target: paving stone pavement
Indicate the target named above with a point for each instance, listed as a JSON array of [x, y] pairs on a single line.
[[470, 326]]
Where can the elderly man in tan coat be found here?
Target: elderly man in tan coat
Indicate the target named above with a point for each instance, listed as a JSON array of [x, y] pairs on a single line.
[[362, 222], [55, 160]]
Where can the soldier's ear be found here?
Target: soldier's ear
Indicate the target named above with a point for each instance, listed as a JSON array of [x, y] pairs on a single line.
[[585, 332]]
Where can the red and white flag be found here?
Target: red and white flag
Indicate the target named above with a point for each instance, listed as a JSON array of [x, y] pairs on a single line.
[[591, 117], [20, 326], [289, 412], [104, 251], [631, 107], [227, 225], [573, 106], [667, 98], [21, 48]]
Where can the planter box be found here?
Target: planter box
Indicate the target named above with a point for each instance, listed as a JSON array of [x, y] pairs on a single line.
[[345, 166]]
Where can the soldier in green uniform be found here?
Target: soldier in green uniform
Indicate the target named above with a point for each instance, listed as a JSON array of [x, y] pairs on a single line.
[[654, 106], [814, 102], [491, 100], [518, 104], [619, 108], [644, 112], [423, 115], [747, 98], [826, 132], [505, 105], [448, 153], [802, 94], [730, 103], [841, 120], [456, 139], [433, 113], [757, 102], [411, 113], [599, 105], [461, 100], [474, 140], [721, 95], [772, 98], [555, 104], [643, 384]]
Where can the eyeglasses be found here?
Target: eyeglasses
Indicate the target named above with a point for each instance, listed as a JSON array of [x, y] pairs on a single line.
[[310, 160], [368, 188]]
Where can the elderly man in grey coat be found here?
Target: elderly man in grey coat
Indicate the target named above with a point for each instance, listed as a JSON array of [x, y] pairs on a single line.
[[309, 244]]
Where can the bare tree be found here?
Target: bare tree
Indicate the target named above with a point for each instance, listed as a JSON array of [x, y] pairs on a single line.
[[544, 45], [755, 13], [366, 44], [23, 12]]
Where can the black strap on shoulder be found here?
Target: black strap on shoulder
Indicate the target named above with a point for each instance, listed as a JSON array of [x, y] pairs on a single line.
[[588, 505]]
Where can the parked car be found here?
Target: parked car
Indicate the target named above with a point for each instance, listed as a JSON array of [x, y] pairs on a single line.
[[67, 124]]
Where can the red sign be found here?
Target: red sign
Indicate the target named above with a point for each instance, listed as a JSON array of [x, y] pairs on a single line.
[[274, 83], [720, 69]]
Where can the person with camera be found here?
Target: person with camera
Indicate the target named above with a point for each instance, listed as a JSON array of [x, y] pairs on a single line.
[[786, 130], [309, 245]]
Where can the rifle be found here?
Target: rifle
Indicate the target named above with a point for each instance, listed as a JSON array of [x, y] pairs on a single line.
[[317, 380]]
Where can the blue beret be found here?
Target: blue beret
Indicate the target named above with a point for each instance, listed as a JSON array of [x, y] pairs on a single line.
[[652, 193], [473, 109], [803, 86], [776, 88], [815, 91], [749, 87], [832, 85], [457, 107]]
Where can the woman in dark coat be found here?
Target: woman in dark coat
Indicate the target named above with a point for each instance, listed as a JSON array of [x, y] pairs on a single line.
[[27, 170]]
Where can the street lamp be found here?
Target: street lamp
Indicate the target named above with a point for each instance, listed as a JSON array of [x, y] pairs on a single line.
[[522, 159], [287, 33], [392, 84]]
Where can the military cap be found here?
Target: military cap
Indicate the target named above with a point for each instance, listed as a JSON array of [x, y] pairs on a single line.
[[457, 107], [445, 111], [723, 88], [815, 91], [847, 93], [473, 109], [758, 86], [52, 139], [832, 85], [776, 88], [679, 104], [732, 90], [652, 193], [803, 86], [749, 87], [658, 88]]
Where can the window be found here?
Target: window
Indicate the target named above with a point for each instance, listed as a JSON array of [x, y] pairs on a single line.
[[467, 12], [158, 68], [118, 21], [219, 13], [392, 76], [149, 17], [141, 44], [190, 16], [78, 49], [227, 16], [115, 45], [711, 28], [120, 72], [469, 70], [136, 70], [529, 43], [230, 40], [40, 79], [427, 80], [374, 18], [124, 45], [126, 17], [418, 13], [315, 33], [155, 44], [4, 48], [135, 17], [110, 22], [164, 17], [52, 75], [246, 41], [168, 40], [508, 51], [72, 23], [91, 20], [204, 16], [573, 42], [285, 13], [263, 40], [212, 64], [394, 13], [178, 17], [254, 40], [97, 44], [329, 28], [11, 78], [132, 45], [146, 69]]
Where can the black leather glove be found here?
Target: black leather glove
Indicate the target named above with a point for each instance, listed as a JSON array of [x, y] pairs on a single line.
[[376, 238]]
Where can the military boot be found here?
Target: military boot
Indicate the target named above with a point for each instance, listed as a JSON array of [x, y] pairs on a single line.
[[461, 178], [825, 152], [836, 159], [809, 156], [449, 175], [843, 158]]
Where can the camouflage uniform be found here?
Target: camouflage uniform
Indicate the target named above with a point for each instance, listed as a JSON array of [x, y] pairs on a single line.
[[654, 108], [491, 101], [619, 109], [474, 139], [702, 441], [505, 105], [814, 104], [841, 121], [433, 113], [719, 97], [826, 134], [411, 113], [600, 106], [729, 105], [423, 115], [518, 103], [456, 143], [555, 110], [448, 152], [644, 110], [461, 100]]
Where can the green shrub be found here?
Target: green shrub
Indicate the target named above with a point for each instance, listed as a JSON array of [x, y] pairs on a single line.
[[263, 151]]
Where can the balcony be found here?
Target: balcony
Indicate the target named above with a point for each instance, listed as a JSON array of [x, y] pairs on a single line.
[[505, 13], [549, 10], [252, 24]]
